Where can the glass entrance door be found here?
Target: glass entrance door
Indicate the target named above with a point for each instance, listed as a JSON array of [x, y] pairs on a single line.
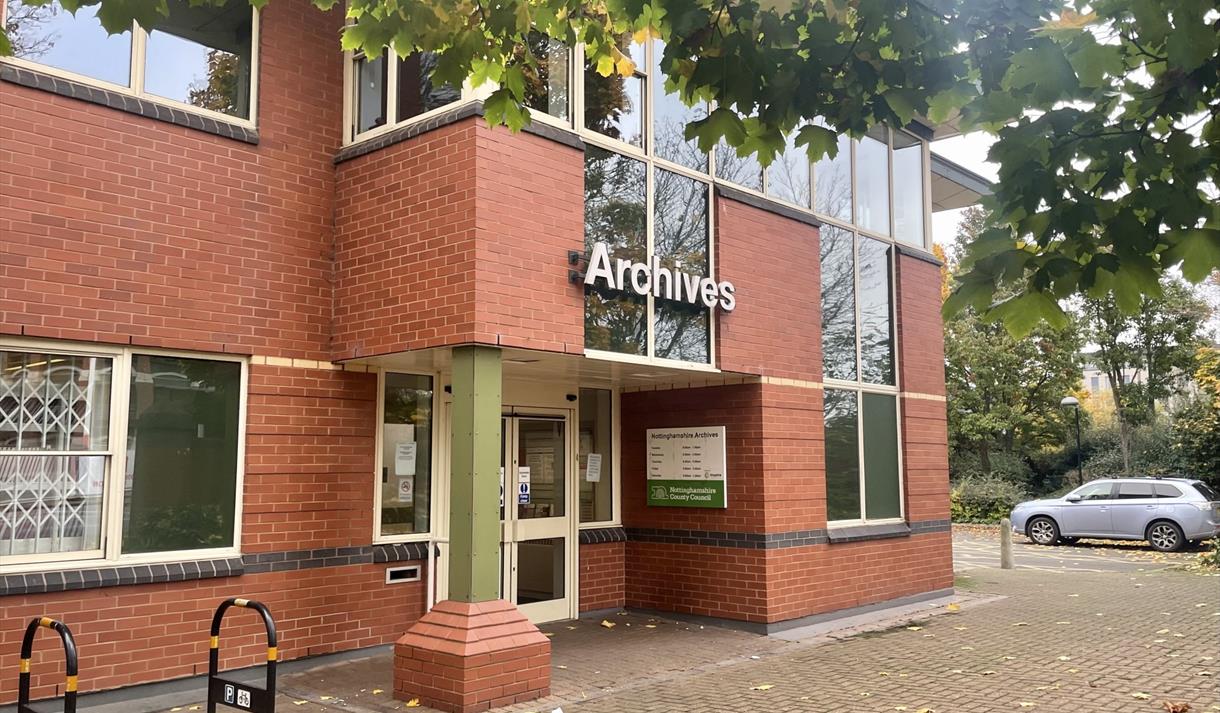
[[536, 551]]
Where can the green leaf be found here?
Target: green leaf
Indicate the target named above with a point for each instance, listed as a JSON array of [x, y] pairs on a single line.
[[1021, 313], [1093, 61], [818, 141], [1198, 250], [722, 122], [6, 47], [1044, 70]]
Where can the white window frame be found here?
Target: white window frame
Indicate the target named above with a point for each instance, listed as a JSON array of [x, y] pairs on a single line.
[[616, 500], [437, 443], [858, 386], [135, 85], [651, 164], [110, 553], [468, 93]]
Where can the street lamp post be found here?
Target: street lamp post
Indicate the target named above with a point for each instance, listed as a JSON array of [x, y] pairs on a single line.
[[1075, 404]]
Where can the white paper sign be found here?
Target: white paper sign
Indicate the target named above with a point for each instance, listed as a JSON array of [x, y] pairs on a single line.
[[406, 489], [593, 468], [523, 474], [501, 486], [404, 458]]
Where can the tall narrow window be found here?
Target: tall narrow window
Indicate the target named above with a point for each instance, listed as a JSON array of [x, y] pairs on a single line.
[[681, 330], [371, 92], [838, 303], [182, 446], [908, 189], [54, 452], [873, 182], [616, 213], [417, 93], [406, 454], [876, 311], [832, 183], [670, 115], [788, 174], [596, 456], [546, 82], [842, 422]]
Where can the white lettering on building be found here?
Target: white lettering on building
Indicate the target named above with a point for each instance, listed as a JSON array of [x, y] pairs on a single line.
[[661, 282]]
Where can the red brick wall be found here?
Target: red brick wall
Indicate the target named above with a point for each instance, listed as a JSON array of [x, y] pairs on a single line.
[[729, 583], [129, 635], [118, 228], [821, 578], [529, 214], [602, 577], [405, 245], [773, 263], [310, 448], [921, 362]]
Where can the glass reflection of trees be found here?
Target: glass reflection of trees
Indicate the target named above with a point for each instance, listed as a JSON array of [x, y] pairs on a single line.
[[680, 240], [876, 320], [832, 183], [546, 78], [841, 412], [838, 303], [616, 213], [614, 105]]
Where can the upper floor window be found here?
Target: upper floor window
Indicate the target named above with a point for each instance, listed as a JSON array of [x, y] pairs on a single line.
[[198, 57], [110, 453]]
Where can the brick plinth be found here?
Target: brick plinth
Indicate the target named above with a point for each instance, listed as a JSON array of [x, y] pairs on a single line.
[[463, 657]]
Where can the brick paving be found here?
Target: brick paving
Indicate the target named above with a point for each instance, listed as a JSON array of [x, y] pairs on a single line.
[[1024, 640]]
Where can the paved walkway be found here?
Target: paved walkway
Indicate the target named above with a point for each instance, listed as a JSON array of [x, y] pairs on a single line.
[[976, 546], [1032, 639]]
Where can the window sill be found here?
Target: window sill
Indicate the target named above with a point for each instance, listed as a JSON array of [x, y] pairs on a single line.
[[602, 534], [119, 575], [861, 533], [761, 202], [125, 102]]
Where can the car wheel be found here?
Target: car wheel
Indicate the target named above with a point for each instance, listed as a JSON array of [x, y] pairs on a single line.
[[1165, 536], [1043, 531]]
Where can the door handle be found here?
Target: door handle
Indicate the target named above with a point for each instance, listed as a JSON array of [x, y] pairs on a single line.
[[1103, 508]]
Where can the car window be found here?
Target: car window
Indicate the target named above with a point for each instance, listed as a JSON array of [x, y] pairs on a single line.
[[1095, 491], [1206, 491], [1129, 491], [1164, 490]]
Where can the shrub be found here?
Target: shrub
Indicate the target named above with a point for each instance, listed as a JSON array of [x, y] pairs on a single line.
[[984, 499], [964, 463]]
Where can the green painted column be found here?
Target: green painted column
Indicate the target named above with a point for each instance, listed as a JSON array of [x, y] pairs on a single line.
[[474, 484]]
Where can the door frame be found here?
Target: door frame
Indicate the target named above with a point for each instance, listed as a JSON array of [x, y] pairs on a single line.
[[511, 533]]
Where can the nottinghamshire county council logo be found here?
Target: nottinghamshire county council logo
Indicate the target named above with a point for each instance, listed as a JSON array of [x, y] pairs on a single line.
[[659, 492]]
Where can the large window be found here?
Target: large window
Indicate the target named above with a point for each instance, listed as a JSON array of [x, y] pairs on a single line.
[[595, 454], [200, 57], [863, 477], [405, 480], [113, 453], [647, 197]]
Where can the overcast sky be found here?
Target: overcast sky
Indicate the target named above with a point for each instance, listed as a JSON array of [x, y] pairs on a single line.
[[969, 150]]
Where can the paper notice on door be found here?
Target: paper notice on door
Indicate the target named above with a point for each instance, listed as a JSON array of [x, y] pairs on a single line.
[[404, 458], [593, 468], [523, 474], [406, 489]]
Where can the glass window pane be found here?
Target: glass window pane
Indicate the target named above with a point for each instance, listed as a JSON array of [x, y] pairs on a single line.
[[873, 182], [670, 115], [876, 317], [370, 93], [51, 504], [788, 174], [881, 491], [540, 570], [546, 83], [201, 55], [842, 455], [908, 189], [614, 105], [540, 447], [616, 213], [77, 43], [832, 183], [745, 171], [682, 329], [406, 454], [1132, 491], [595, 455], [54, 402], [416, 92], [182, 441], [838, 304]]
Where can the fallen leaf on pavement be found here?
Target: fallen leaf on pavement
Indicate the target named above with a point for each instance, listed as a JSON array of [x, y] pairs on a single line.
[[1065, 658], [914, 628], [377, 691], [1026, 704], [413, 703], [762, 687], [608, 624], [299, 703], [954, 607], [1140, 696], [1175, 706], [1021, 623]]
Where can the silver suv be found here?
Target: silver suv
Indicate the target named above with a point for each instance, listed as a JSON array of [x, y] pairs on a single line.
[[1167, 512]]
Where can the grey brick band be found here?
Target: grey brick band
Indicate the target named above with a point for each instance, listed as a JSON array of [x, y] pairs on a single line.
[[597, 536], [783, 540], [69, 580], [125, 102]]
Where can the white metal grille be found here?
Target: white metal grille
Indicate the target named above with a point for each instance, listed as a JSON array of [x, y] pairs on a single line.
[[54, 419]]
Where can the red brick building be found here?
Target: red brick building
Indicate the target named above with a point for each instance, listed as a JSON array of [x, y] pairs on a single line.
[[269, 314]]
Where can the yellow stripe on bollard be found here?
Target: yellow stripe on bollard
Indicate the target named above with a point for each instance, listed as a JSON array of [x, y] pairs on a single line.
[[24, 666], [71, 687], [241, 602], [46, 622], [215, 642], [272, 652]]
